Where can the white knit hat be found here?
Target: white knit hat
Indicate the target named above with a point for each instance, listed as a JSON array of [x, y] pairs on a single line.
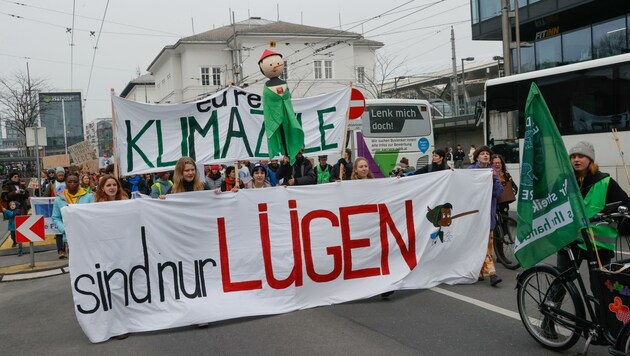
[[583, 148]]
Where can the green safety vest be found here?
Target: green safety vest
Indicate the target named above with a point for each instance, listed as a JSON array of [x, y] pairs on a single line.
[[595, 201], [322, 176], [159, 186]]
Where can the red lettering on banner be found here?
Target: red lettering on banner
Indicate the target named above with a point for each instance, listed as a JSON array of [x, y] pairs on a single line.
[[408, 253], [334, 251], [349, 244], [296, 273], [228, 285]]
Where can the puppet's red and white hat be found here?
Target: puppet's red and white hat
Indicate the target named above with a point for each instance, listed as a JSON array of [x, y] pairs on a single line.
[[268, 53]]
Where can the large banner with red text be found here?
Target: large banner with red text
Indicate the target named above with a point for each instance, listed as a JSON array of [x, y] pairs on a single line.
[[197, 257]]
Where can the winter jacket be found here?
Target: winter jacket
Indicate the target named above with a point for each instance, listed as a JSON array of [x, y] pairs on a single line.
[[61, 202], [497, 190]]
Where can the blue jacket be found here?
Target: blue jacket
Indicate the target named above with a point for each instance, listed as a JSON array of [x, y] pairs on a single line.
[[10, 216], [497, 190], [60, 202]]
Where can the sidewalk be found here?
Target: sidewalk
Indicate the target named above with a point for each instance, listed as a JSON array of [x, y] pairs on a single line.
[[14, 267]]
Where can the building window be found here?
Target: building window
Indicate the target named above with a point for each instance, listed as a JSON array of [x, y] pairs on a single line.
[[489, 9], [361, 75], [216, 76], [548, 53], [328, 69], [205, 76], [576, 46], [609, 38], [317, 69], [285, 71]]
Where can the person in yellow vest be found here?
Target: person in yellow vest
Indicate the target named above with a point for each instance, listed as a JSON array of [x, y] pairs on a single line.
[[322, 170], [162, 185], [597, 189]]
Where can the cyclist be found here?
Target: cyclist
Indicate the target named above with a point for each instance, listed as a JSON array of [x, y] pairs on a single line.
[[597, 189]]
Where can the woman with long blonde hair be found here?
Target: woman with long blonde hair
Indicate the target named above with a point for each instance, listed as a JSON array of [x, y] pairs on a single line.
[[185, 178]]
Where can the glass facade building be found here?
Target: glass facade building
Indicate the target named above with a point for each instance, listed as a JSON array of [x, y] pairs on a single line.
[[62, 116], [558, 32]]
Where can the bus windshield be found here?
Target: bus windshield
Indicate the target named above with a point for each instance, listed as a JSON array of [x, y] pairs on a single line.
[[392, 129]]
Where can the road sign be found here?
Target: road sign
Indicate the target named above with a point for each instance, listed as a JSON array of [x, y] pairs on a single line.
[[357, 104], [29, 228]]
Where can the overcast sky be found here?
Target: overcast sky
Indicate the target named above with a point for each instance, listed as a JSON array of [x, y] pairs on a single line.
[[134, 31]]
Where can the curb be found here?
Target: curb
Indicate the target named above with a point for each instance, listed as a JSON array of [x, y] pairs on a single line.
[[23, 276]]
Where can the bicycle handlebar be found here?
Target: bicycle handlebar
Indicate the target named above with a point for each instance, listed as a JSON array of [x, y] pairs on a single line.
[[621, 214]]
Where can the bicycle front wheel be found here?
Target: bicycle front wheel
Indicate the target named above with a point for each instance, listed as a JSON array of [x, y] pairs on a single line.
[[507, 244], [546, 307]]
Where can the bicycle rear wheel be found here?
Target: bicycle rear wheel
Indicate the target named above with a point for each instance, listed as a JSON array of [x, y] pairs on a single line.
[[542, 303], [507, 244]]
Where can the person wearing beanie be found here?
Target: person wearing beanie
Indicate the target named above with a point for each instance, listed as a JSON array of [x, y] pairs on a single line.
[[15, 190], [597, 190], [481, 159], [214, 179]]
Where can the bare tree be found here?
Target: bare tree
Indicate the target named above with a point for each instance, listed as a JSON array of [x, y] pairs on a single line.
[[19, 102], [385, 67]]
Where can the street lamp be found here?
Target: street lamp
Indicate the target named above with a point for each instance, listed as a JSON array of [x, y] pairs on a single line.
[[396, 85], [467, 59]]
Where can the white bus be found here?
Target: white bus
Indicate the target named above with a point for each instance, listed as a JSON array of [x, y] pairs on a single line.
[[586, 99], [391, 129]]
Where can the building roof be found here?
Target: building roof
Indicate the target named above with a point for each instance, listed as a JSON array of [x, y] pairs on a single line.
[[258, 27], [146, 79]]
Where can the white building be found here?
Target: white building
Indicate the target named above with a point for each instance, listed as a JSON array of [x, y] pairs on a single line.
[[317, 60]]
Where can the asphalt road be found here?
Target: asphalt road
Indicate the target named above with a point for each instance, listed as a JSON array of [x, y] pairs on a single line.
[[37, 318]]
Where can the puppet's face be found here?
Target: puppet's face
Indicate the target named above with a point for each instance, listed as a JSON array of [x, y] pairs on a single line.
[[272, 66]]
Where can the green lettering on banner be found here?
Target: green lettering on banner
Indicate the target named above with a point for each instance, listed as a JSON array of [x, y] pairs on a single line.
[[131, 144], [261, 135], [195, 127], [158, 127], [306, 149], [323, 128], [236, 133]]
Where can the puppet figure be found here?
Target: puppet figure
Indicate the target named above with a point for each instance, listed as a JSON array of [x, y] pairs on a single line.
[[284, 132]]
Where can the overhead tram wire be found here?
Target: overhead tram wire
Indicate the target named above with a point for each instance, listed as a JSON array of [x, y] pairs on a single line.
[[87, 89], [257, 74], [392, 21], [333, 36], [19, 17], [92, 18]]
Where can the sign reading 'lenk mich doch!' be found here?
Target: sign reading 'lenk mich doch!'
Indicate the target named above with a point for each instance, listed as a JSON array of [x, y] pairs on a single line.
[[222, 128]]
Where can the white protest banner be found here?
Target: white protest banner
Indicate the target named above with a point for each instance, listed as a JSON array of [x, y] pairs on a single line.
[[82, 152], [222, 128], [44, 206], [149, 264]]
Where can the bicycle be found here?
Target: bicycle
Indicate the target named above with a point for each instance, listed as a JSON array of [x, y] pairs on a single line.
[[504, 237], [553, 310]]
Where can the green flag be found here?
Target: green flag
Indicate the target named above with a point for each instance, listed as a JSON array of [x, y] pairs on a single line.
[[550, 208], [284, 132]]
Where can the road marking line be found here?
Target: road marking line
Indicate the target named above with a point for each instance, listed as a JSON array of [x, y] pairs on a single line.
[[22, 276], [478, 303]]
